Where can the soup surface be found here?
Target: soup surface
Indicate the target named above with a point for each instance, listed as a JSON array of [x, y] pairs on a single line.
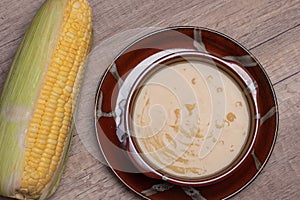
[[190, 119]]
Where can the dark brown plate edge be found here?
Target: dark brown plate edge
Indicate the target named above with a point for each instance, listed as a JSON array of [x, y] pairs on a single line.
[[224, 36]]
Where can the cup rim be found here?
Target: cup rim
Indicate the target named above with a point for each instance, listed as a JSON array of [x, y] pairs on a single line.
[[239, 74]]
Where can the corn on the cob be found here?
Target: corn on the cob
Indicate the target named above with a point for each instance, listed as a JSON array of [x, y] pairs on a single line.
[[38, 99]]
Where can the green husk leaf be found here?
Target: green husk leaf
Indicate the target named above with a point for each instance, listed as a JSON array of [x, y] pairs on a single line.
[[21, 91]]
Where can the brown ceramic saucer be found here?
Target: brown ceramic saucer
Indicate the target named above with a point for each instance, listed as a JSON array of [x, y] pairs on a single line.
[[111, 98]]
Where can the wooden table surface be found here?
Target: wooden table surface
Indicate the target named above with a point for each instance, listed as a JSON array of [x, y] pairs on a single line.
[[269, 29]]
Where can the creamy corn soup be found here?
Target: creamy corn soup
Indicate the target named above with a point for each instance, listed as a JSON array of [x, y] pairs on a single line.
[[190, 119]]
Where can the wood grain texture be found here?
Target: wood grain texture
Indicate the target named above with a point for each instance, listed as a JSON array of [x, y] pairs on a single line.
[[280, 55], [270, 29], [281, 176]]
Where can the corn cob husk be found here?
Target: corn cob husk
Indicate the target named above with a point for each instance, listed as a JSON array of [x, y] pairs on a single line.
[[38, 99]]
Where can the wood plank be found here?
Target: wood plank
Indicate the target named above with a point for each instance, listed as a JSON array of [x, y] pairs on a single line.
[[250, 22], [280, 178], [280, 55]]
